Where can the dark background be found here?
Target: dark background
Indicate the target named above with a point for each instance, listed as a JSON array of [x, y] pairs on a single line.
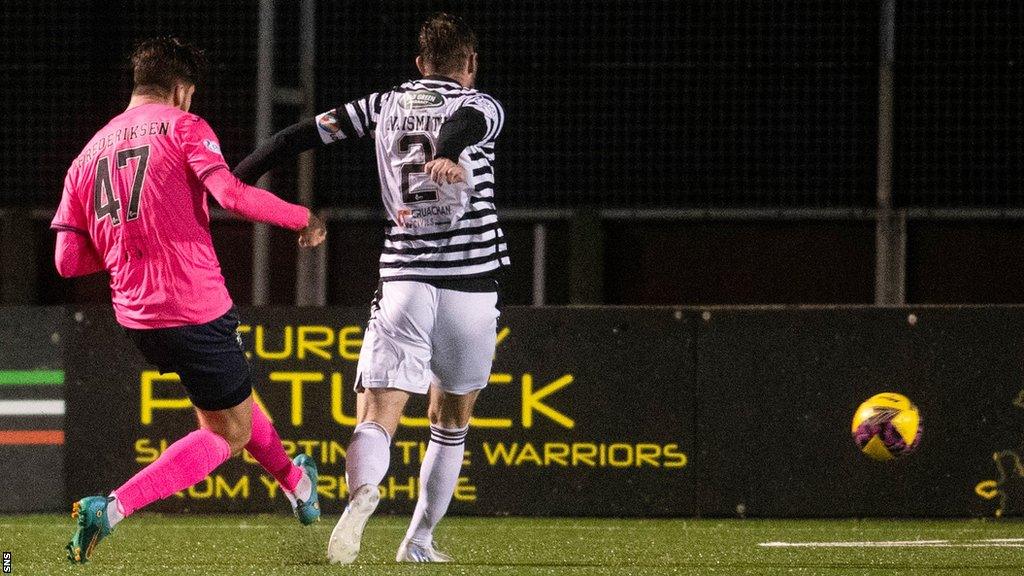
[[758, 398], [644, 104]]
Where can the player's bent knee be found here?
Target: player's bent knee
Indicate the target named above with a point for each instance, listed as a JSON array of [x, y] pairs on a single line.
[[449, 410], [237, 436], [450, 417], [451, 422], [238, 441], [434, 415]]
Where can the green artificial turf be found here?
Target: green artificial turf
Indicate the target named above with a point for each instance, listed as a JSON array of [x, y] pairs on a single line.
[[264, 545]]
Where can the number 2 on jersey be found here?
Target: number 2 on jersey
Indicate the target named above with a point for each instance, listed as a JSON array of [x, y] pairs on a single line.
[[426, 145], [105, 198]]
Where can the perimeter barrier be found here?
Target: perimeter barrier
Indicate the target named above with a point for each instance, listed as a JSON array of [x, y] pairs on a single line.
[[591, 411]]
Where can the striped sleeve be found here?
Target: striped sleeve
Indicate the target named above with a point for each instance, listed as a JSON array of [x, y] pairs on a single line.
[[355, 119], [493, 113]]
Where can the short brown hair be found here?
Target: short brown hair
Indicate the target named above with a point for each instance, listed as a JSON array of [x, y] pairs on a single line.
[[446, 42], [160, 63]]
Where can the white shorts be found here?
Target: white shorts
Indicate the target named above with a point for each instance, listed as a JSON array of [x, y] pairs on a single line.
[[419, 334]]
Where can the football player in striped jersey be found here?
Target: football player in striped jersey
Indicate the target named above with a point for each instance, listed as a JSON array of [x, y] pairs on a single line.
[[433, 321]]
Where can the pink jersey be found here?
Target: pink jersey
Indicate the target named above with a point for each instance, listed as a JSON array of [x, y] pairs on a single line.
[[137, 192]]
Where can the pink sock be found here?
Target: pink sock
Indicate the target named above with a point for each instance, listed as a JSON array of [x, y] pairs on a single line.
[[265, 446], [182, 465]]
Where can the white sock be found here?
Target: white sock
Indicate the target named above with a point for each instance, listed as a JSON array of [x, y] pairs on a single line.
[[114, 512], [303, 490], [439, 474], [368, 456]]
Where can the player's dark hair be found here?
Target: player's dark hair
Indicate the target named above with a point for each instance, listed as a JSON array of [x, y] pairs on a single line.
[[160, 63], [446, 42]]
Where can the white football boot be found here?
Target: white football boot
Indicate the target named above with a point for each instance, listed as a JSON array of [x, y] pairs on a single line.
[[412, 552], [343, 547]]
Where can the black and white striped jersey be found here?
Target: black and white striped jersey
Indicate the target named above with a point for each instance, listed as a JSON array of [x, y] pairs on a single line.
[[432, 232]]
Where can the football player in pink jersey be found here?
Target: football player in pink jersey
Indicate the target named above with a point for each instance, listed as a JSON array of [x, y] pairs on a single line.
[[135, 204]]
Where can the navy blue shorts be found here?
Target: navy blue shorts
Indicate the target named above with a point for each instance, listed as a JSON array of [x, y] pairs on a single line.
[[208, 357]]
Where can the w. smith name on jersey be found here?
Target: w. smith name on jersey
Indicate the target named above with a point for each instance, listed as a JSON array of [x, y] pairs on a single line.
[[433, 232]]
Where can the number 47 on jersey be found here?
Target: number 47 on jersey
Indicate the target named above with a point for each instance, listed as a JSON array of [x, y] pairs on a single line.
[[106, 200]]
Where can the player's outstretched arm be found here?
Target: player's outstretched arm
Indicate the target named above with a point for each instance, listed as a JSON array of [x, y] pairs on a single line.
[[203, 154], [260, 205], [282, 146], [356, 119], [74, 254]]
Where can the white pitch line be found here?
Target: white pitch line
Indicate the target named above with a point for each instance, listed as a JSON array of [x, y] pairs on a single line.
[[878, 544], [31, 407], [986, 545], [990, 543]]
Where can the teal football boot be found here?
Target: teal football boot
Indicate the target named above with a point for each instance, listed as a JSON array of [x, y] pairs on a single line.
[[93, 526], [308, 511]]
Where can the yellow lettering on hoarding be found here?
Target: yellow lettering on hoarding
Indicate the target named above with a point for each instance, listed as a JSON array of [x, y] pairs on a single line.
[[239, 490], [464, 491], [328, 486], [271, 485], [259, 345], [202, 490], [413, 452], [337, 410], [478, 422], [528, 454], [297, 379], [218, 487], [673, 457], [584, 454], [306, 341], [406, 447], [146, 452], [532, 401], [594, 455], [648, 454], [350, 341], [393, 488], [502, 334], [624, 459], [556, 453], [494, 453], [308, 447], [334, 454], [148, 403], [318, 346]]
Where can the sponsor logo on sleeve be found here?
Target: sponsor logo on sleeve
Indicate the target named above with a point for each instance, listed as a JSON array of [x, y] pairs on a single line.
[[328, 124], [212, 146]]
